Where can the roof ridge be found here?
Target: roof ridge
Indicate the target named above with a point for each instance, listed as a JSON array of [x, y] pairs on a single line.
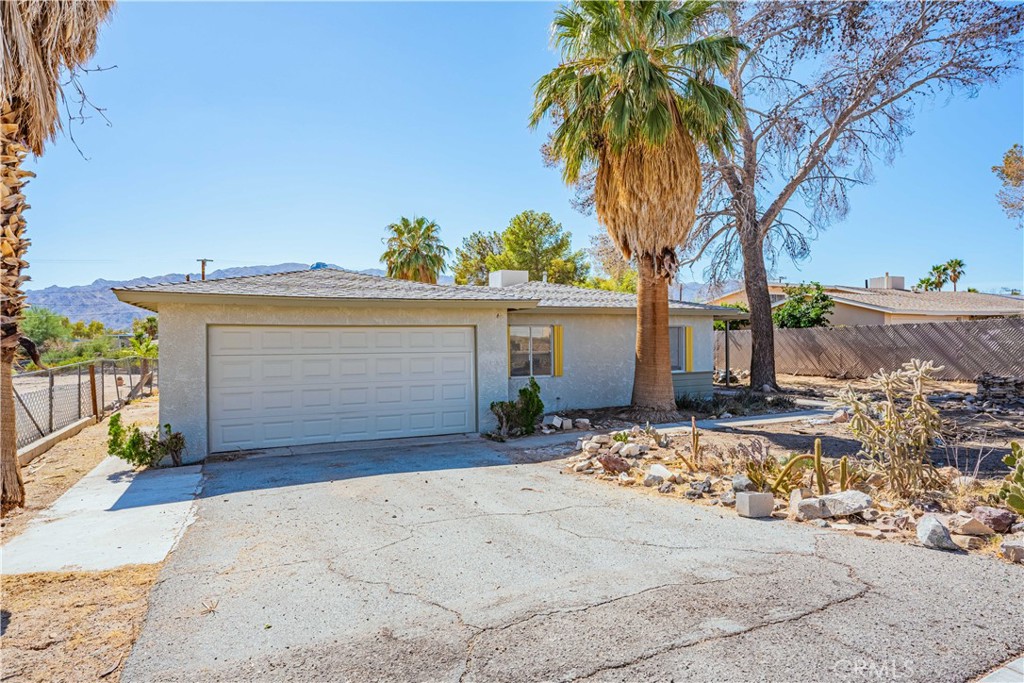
[[219, 279]]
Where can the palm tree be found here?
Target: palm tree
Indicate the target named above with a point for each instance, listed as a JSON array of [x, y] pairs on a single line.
[[634, 97], [414, 250], [926, 284], [42, 42], [954, 270], [939, 276]]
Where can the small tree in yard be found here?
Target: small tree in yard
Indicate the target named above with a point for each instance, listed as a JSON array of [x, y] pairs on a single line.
[[805, 306]]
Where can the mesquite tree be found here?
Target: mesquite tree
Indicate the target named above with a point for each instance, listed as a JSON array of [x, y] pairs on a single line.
[[828, 89]]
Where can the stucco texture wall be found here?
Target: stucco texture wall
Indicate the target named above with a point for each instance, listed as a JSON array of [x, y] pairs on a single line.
[[183, 352], [598, 357], [844, 314]]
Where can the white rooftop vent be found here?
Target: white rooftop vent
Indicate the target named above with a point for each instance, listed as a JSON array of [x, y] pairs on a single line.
[[886, 282], [507, 278]]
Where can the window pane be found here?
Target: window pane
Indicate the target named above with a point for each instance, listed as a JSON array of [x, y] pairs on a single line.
[[675, 347], [519, 348], [542, 346]]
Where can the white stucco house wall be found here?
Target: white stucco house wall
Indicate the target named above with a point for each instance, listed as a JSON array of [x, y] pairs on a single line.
[[324, 356]]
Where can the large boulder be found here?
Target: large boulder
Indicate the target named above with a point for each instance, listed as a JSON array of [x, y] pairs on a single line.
[[968, 525], [840, 504], [742, 482], [613, 464], [997, 519], [934, 534]]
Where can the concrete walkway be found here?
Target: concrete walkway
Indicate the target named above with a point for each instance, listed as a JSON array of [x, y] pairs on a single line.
[[112, 517], [452, 563]]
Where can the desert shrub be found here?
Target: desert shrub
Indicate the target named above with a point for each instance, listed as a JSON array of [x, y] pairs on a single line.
[[520, 416], [897, 432], [744, 402], [1012, 492], [138, 448]]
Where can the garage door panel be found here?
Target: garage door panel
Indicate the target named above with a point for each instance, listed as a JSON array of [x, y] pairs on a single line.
[[275, 387]]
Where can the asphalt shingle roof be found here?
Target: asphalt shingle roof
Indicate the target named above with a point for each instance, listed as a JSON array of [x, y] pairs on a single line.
[[345, 284], [330, 283], [905, 301], [567, 296]]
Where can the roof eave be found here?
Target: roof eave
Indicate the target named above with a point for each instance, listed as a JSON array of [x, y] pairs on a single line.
[[151, 300]]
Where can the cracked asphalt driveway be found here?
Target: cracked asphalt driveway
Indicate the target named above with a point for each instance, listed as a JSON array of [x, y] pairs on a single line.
[[454, 563]]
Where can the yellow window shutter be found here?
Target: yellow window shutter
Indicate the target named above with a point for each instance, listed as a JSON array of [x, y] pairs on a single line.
[[508, 347], [556, 335], [689, 349]]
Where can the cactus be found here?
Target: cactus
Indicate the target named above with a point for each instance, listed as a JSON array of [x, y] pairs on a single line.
[[820, 478], [787, 479], [1012, 492], [844, 474], [694, 440]]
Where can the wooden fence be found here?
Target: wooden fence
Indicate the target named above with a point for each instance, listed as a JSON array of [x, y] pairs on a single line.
[[965, 349]]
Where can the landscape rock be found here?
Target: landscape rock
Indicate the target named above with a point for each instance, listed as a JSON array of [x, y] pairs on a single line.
[[840, 417], [630, 450], [997, 519], [933, 534], [728, 498], [869, 533], [602, 439], [616, 447], [584, 465], [591, 447], [702, 486], [755, 505], [840, 504], [583, 423], [968, 542], [614, 464], [1013, 550], [742, 482], [661, 471], [692, 494], [795, 496], [667, 487], [653, 480], [968, 525]]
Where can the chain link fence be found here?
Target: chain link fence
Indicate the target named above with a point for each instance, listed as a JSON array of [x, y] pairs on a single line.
[[46, 401]]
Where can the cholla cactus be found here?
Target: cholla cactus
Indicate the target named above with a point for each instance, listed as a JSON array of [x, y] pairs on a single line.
[[897, 432], [1013, 490]]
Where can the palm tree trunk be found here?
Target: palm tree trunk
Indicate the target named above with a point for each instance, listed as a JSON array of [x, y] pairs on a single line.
[[13, 494], [762, 330], [12, 301], [652, 374]]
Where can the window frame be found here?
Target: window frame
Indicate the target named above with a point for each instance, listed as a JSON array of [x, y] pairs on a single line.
[[530, 354], [683, 340]]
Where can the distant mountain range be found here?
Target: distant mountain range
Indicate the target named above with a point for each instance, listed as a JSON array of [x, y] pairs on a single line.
[[96, 302]]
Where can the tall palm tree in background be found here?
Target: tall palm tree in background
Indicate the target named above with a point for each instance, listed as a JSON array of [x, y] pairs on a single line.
[[414, 250], [939, 276], [42, 42], [634, 96], [954, 270]]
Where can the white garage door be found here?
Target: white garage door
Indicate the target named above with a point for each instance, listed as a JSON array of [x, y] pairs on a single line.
[[283, 386]]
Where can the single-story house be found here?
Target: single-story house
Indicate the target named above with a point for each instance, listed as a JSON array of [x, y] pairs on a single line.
[[323, 356], [885, 301]]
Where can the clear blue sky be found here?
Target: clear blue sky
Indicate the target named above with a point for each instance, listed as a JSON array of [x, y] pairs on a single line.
[[264, 133]]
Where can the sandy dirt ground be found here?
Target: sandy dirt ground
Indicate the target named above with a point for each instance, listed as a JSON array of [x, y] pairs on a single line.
[[54, 472], [826, 387], [72, 626]]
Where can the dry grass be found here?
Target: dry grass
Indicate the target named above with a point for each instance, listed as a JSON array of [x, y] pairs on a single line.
[[54, 472], [72, 626], [831, 386]]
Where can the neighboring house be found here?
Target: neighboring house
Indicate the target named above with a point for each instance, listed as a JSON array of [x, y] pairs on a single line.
[[322, 356], [884, 301]]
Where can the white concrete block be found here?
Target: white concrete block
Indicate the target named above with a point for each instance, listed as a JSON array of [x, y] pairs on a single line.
[[752, 504]]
